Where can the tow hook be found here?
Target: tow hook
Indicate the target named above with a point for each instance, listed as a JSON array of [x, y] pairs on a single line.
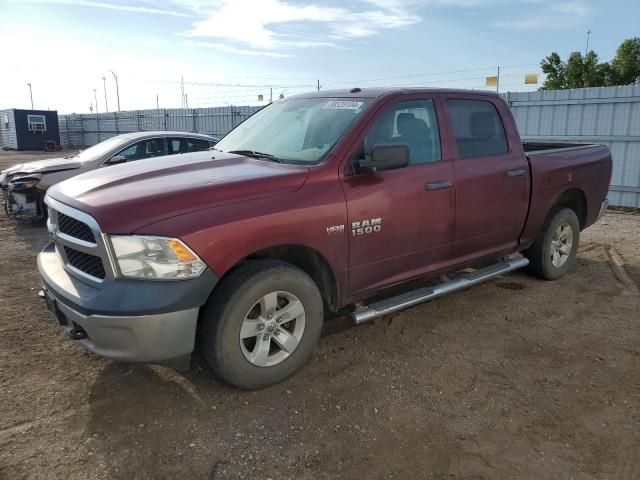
[[77, 334]]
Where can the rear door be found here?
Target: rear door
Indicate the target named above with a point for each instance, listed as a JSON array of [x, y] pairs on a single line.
[[400, 221], [491, 175]]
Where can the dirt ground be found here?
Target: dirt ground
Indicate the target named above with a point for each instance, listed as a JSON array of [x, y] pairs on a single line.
[[516, 379]]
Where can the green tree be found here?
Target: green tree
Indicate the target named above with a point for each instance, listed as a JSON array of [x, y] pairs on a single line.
[[594, 73], [580, 71], [575, 71], [625, 65], [556, 71]]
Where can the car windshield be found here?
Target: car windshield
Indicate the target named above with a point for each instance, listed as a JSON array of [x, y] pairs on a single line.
[[299, 130], [99, 150]]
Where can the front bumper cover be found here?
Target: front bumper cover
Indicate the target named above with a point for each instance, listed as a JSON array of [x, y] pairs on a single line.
[[128, 320]]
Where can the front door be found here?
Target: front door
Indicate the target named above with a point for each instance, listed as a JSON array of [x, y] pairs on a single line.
[[400, 221], [492, 178]]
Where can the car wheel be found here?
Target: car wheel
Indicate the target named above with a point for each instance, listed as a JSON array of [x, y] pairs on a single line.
[[261, 324], [554, 251]]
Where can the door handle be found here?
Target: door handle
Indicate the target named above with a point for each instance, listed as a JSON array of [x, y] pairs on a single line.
[[516, 173], [439, 185]]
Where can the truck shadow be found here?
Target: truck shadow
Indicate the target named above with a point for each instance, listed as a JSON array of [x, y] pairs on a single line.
[[150, 421], [154, 422]]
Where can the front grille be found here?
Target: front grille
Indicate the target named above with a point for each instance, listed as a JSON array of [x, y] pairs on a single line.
[[75, 228], [89, 264]]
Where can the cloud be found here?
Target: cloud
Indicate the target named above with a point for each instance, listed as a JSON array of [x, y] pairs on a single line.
[[272, 25], [112, 6], [552, 16], [223, 47]]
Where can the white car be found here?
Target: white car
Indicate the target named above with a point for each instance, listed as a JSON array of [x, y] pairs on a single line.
[[24, 186]]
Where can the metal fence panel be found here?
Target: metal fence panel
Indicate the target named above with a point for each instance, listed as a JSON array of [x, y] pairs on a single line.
[[608, 115], [85, 130]]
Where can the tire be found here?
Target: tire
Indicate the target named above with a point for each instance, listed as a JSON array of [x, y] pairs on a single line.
[[241, 305], [545, 260]]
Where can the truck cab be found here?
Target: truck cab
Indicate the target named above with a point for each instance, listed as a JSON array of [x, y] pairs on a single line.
[[338, 201]]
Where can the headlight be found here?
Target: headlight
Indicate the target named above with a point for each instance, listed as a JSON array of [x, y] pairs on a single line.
[[25, 181], [155, 258]]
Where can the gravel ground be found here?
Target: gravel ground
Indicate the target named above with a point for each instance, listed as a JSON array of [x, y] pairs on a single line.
[[516, 378]]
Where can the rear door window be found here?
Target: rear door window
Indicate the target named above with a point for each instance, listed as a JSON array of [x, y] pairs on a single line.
[[478, 128], [154, 147], [177, 145]]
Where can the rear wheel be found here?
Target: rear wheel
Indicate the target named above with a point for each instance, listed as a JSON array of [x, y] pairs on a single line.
[[554, 250], [261, 324]]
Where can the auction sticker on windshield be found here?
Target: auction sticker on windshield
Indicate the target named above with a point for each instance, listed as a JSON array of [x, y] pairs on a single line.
[[343, 105]]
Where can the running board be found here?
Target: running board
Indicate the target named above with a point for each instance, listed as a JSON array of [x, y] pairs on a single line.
[[406, 300]]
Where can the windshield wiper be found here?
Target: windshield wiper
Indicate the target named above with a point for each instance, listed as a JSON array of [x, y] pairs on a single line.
[[258, 155]]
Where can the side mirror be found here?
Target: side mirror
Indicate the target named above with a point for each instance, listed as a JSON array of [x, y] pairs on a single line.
[[117, 159], [385, 157]]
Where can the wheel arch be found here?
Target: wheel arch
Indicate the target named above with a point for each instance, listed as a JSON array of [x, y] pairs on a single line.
[[576, 200], [308, 260]]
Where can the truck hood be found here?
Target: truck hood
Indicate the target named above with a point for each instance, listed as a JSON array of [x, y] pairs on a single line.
[[44, 166], [124, 198]]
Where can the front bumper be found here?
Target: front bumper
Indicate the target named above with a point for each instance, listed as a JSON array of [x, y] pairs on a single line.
[[21, 204], [128, 320]]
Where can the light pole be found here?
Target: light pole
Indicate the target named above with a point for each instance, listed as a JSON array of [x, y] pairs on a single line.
[[30, 95], [95, 97], [117, 91], [586, 50], [106, 104]]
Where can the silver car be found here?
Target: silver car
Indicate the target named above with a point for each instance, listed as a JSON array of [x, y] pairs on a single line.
[[24, 186]]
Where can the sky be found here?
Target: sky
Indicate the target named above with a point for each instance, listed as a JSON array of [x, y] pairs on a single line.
[[230, 51]]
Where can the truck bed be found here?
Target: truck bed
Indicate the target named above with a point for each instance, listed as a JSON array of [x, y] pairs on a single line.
[[532, 147], [557, 167]]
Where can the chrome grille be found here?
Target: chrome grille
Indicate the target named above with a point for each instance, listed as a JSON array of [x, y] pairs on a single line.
[[79, 243], [75, 228], [89, 264]]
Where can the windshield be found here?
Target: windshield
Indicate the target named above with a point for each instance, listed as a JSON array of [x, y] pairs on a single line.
[[98, 150], [300, 130]]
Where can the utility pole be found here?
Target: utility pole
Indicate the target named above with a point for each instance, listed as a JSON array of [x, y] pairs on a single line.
[[586, 50], [95, 97], [30, 95], [318, 85], [182, 95], [106, 104], [117, 90], [498, 81]]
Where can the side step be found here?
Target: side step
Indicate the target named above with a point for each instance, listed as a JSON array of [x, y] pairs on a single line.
[[406, 300]]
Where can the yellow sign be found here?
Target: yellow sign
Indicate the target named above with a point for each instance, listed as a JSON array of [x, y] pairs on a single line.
[[531, 79], [492, 82], [260, 98]]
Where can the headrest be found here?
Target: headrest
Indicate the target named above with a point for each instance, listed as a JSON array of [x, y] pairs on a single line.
[[483, 125], [403, 122], [410, 126]]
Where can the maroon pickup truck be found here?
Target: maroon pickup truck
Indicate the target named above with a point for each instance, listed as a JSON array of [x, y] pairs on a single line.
[[359, 202]]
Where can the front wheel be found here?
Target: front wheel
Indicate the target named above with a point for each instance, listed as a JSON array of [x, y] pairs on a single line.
[[261, 324], [554, 251]]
